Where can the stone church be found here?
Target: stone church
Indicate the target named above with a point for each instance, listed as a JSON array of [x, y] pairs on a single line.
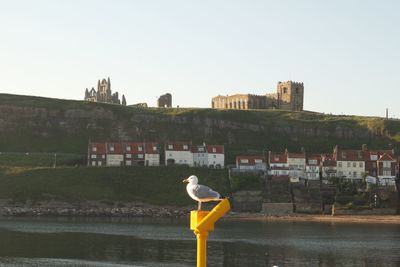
[[104, 94], [289, 96]]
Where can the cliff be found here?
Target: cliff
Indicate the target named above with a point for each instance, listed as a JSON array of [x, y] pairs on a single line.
[[35, 124]]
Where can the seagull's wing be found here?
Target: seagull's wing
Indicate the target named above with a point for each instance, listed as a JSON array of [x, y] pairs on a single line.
[[202, 191]]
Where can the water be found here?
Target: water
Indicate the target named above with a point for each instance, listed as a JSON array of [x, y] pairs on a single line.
[[105, 242]]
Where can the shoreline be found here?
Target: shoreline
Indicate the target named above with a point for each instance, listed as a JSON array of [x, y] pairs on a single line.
[[360, 219], [174, 212]]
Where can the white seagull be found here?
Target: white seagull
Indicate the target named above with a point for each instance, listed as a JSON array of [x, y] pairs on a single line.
[[200, 193]]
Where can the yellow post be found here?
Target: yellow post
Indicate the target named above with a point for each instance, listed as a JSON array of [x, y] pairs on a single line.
[[201, 222]]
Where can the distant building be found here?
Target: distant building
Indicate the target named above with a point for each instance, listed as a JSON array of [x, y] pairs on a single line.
[[278, 164], [251, 163], [297, 164], [289, 96], [178, 153], [215, 156], [313, 163], [103, 93], [123, 154]]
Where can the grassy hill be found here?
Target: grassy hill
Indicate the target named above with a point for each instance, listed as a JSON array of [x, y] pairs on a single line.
[[36, 124], [151, 185]]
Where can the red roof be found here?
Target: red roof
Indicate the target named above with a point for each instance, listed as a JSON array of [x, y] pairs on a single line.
[[329, 162], [316, 158], [251, 160], [99, 147], [149, 148], [350, 155], [386, 157], [199, 149], [135, 148], [215, 149], [115, 148], [177, 146], [277, 158]]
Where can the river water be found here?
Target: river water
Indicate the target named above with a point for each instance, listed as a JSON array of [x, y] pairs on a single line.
[[106, 242]]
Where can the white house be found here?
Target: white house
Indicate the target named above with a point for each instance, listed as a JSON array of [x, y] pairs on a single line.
[[152, 154], [350, 163], [178, 153], [215, 156], [386, 170], [297, 164], [313, 167], [115, 154], [251, 163], [278, 165], [200, 156]]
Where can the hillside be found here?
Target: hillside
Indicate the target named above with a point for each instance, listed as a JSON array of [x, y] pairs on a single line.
[[35, 124]]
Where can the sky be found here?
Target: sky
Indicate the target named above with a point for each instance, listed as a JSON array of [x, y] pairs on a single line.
[[346, 52]]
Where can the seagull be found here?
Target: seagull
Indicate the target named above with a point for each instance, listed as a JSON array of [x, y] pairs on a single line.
[[200, 193]]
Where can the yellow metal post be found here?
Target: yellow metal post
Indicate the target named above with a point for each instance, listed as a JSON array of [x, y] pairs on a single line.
[[201, 222]]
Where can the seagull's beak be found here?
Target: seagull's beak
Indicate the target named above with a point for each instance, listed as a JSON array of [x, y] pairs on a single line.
[[185, 181]]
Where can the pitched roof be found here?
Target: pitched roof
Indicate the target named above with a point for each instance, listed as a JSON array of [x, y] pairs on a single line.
[[386, 157], [277, 158], [115, 148], [177, 146], [251, 160], [151, 148], [99, 147], [350, 155], [219, 149]]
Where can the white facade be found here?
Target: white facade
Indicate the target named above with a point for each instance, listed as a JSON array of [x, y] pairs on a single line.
[[179, 157], [151, 159], [114, 159], [312, 172], [350, 169], [216, 159], [329, 171], [200, 157], [297, 167]]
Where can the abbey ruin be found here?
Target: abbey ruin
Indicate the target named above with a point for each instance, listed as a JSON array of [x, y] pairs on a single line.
[[104, 94]]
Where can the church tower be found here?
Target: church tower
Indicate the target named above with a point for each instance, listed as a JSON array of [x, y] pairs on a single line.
[[290, 95]]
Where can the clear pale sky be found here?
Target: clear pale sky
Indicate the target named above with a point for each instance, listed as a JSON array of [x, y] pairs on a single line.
[[347, 52]]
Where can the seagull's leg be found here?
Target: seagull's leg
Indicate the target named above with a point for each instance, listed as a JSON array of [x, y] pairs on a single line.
[[199, 206]]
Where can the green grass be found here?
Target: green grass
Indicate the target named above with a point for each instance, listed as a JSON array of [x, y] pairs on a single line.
[[246, 182], [41, 159], [151, 185]]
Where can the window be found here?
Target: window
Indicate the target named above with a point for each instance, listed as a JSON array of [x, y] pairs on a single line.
[[140, 156], [284, 90], [154, 148], [128, 163], [244, 161], [354, 174], [93, 156], [112, 148], [99, 163], [128, 148], [343, 155], [354, 164], [93, 163], [340, 164], [258, 161], [185, 147], [214, 150], [201, 149], [386, 164], [361, 165], [103, 156], [170, 147], [387, 173], [312, 161], [170, 154], [348, 164], [140, 148], [94, 149], [215, 156], [340, 173], [128, 156]]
